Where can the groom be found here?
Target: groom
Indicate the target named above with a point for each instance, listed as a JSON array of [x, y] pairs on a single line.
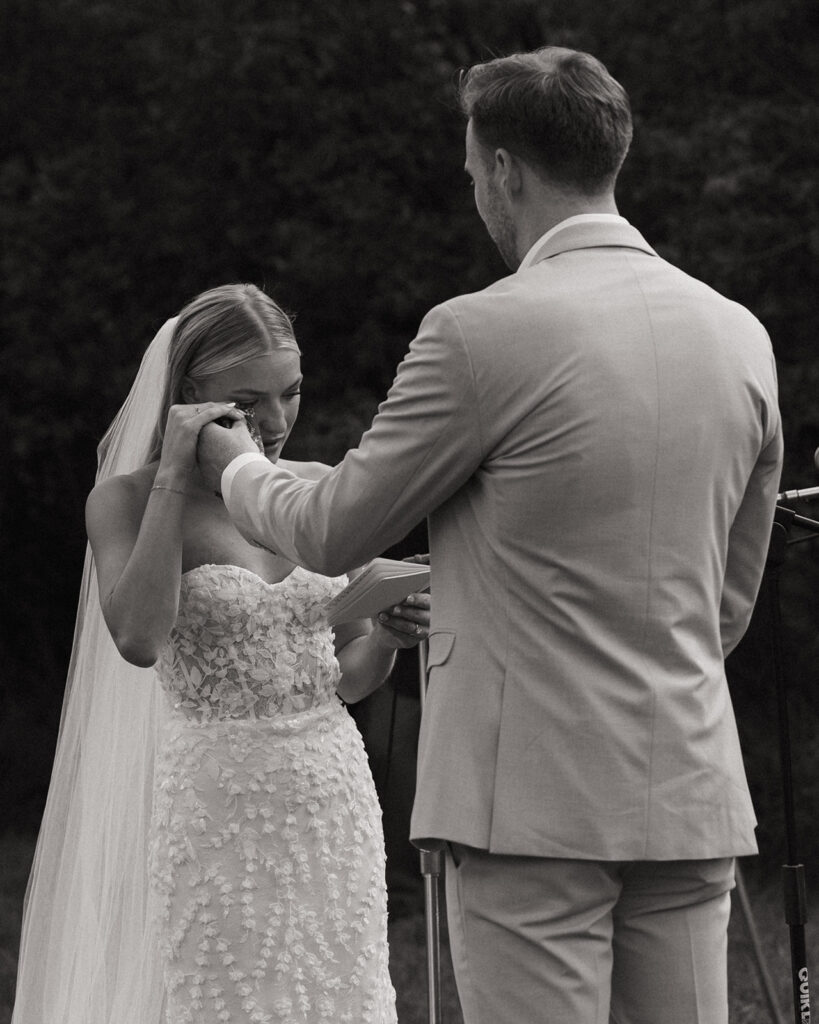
[[596, 442]]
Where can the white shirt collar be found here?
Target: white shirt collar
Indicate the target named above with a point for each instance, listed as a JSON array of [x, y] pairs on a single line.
[[579, 218]]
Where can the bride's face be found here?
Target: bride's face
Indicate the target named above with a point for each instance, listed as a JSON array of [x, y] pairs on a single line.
[[269, 384]]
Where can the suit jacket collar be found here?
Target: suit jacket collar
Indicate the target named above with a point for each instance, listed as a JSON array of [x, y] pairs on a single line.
[[592, 236]]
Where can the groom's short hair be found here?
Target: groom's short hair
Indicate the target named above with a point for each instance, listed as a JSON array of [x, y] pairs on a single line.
[[559, 110]]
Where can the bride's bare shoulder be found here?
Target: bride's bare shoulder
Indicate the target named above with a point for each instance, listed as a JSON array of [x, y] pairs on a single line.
[[306, 470], [125, 491]]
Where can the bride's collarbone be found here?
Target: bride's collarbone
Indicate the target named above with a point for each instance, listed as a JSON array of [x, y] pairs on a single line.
[[210, 538]]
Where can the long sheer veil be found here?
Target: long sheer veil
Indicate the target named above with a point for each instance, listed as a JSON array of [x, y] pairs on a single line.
[[87, 951]]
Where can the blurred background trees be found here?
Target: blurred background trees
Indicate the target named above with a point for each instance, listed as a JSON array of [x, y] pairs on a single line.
[[153, 149]]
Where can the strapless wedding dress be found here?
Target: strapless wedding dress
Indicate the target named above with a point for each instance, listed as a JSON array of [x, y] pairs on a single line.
[[266, 852]]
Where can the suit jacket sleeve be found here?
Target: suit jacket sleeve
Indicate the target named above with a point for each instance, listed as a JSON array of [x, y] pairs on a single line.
[[424, 443], [751, 533]]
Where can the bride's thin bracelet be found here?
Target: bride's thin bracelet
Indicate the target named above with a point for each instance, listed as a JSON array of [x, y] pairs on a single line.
[[162, 487]]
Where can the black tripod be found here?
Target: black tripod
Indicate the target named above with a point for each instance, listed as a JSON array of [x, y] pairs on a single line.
[[793, 872]]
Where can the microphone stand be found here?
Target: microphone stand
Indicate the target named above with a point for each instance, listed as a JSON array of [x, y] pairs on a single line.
[[793, 872]]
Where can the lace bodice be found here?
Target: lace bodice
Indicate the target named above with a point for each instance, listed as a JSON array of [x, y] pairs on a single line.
[[242, 648]]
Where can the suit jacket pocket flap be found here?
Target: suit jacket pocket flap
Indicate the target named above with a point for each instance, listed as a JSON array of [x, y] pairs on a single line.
[[440, 646]]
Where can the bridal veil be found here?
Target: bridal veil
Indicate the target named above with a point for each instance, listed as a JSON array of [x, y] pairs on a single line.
[[87, 952]]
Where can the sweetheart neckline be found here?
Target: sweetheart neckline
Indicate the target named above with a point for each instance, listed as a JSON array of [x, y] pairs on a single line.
[[242, 568]]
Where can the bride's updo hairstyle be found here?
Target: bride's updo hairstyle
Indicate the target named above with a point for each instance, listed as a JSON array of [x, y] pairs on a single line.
[[220, 329]]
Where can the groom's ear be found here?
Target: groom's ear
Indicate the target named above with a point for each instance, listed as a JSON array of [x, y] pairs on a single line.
[[188, 390], [508, 172]]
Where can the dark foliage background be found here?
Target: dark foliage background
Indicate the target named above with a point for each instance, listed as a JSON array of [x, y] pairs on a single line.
[[151, 150]]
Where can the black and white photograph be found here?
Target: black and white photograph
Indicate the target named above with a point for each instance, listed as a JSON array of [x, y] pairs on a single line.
[[410, 522]]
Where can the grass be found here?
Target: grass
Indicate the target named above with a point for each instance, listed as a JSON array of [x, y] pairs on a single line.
[[408, 950]]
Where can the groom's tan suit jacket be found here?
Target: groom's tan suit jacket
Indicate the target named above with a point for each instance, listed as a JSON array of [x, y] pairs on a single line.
[[596, 442]]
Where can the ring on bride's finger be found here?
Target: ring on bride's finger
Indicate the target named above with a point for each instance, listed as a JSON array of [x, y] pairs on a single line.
[[419, 629]]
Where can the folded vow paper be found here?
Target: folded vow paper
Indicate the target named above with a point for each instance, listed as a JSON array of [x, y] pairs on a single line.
[[381, 584]]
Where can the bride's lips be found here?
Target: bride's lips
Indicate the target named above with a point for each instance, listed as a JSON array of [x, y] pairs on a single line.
[[271, 444]]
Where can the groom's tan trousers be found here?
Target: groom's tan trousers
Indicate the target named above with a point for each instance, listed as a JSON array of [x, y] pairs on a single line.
[[587, 942]]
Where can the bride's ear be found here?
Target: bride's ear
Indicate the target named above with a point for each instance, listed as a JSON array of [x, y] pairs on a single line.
[[188, 390]]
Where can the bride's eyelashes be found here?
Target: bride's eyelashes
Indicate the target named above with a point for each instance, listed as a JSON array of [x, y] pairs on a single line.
[[250, 406]]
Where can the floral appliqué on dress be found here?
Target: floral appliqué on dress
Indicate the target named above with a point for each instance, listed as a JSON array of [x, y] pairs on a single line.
[[266, 852]]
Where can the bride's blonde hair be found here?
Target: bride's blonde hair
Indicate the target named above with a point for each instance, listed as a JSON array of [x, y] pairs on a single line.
[[219, 329]]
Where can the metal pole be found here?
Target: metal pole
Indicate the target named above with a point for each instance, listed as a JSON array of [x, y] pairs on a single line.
[[431, 864], [764, 974], [431, 870], [793, 873]]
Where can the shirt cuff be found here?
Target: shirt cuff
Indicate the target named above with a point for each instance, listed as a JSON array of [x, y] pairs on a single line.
[[233, 468]]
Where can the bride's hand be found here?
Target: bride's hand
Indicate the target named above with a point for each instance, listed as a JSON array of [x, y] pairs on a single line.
[[405, 624], [182, 432]]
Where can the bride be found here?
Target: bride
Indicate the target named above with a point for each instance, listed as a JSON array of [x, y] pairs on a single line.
[[211, 849]]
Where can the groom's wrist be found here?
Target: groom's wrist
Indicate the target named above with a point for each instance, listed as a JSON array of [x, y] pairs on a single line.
[[233, 468]]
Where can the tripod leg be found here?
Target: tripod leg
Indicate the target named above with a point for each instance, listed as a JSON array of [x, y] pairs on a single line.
[[762, 966]]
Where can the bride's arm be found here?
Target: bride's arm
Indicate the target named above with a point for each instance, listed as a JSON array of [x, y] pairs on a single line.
[[364, 657], [366, 648], [134, 525], [136, 537]]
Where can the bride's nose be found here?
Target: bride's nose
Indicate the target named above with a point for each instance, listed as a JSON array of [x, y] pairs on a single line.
[[273, 420]]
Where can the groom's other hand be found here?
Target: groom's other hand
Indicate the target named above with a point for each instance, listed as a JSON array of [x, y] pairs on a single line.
[[219, 446]]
